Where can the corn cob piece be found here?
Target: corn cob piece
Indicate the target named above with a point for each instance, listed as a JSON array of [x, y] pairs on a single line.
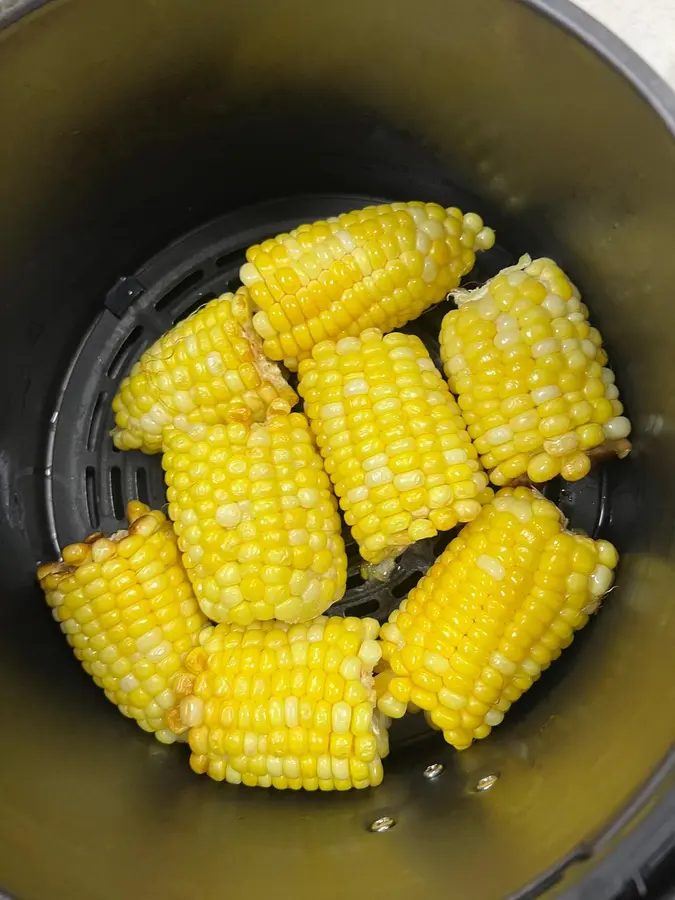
[[531, 375], [256, 519], [128, 611], [393, 440], [497, 607], [380, 266], [286, 707], [210, 368]]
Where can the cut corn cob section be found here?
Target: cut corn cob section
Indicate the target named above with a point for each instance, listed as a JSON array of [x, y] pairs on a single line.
[[286, 707], [128, 611], [256, 519], [393, 440], [530, 374], [209, 368], [497, 607], [379, 266]]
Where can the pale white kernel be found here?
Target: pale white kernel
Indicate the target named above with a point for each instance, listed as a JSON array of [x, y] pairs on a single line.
[[618, 427], [375, 462], [430, 270], [544, 394], [357, 494], [491, 567], [330, 410], [377, 477], [228, 515], [502, 664], [545, 347], [499, 435], [348, 345], [555, 305], [505, 322], [355, 387], [601, 580]]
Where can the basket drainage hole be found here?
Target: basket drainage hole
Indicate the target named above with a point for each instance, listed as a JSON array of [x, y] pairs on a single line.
[[403, 587], [90, 491], [354, 581], [178, 289], [116, 492], [364, 607], [142, 491]]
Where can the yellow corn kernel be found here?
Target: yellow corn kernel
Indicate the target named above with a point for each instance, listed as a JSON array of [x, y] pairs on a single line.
[[256, 519], [410, 469], [132, 620], [208, 368], [501, 602], [524, 337], [383, 265], [298, 741]]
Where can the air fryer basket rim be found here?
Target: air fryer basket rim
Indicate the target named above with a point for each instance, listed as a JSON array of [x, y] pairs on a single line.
[[633, 848]]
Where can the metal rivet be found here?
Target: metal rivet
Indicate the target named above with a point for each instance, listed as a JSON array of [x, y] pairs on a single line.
[[433, 771], [382, 823], [489, 781]]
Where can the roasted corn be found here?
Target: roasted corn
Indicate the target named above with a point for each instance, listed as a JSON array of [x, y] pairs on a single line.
[[256, 520], [393, 440], [497, 607], [380, 266], [286, 707], [531, 376], [209, 368], [128, 611]]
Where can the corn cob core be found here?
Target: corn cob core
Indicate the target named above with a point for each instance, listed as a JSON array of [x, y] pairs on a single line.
[[497, 607], [531, 375], [379, 266], [256, 520], [286, 707], [208, 368], [128, 611], [393, 440]]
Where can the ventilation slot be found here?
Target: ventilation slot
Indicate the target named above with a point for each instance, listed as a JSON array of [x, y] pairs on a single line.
[[401, 589], [142, 491], [96, 420], [235, 258], [364, 607], [92, 500], [121, 358], [196, 304], [190, 281], [354, 581], [116, 494]]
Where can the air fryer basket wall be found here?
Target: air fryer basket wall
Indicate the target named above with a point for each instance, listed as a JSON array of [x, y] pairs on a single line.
[[127, 124]]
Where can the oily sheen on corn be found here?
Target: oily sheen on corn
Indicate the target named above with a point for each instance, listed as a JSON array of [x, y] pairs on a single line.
[[281, 706], [128, 611], [497, 607], [393, 440], [256, 520], [380, 266], [208, 368], [530, 374]]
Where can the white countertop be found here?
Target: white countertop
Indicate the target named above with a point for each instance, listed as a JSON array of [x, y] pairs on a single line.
[[648, 26]]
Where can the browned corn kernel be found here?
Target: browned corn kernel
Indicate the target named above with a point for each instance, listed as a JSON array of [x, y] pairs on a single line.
[[491, 614], [128, 611], [380, 266], [287, 706], [256, 519], [208, 368], [531, 375], [393, 439]]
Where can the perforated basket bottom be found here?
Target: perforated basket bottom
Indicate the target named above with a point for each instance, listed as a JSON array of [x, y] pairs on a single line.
[[89, 482]]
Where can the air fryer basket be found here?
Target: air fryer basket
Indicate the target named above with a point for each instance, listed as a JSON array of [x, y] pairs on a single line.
[[144, 147]]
